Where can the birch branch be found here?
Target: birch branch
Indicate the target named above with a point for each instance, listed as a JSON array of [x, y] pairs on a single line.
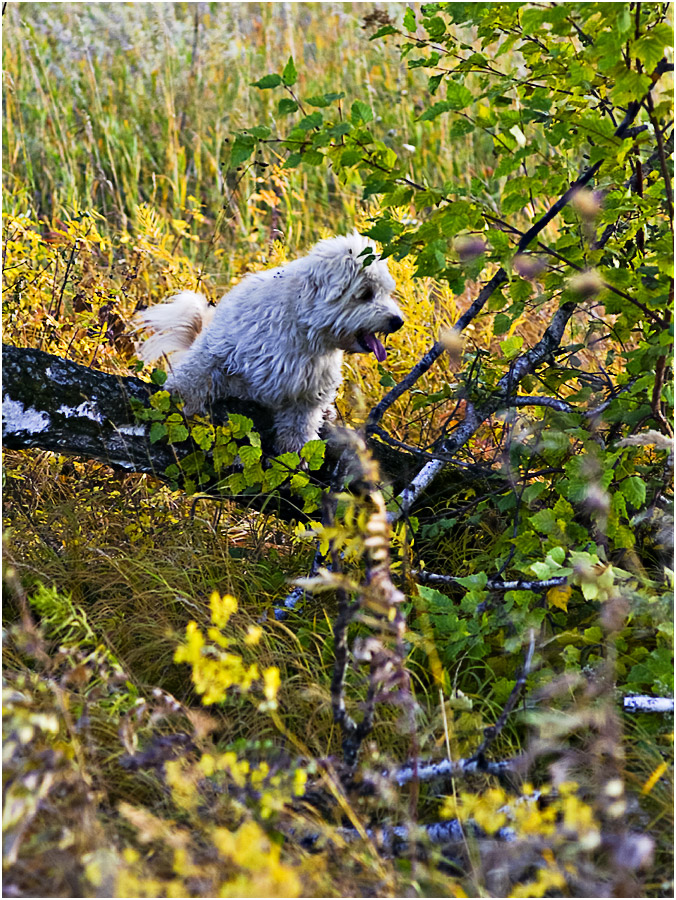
[[522, 366], [430, 770], [641, 703], [493, 584]]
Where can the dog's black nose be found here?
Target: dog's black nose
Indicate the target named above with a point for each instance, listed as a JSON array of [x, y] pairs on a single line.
[[394, 323]]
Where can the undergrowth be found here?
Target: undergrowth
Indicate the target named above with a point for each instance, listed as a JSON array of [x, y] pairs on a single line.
[[165, 735]]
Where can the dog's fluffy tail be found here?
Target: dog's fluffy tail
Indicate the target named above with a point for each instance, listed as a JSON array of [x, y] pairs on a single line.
[[175, 324]]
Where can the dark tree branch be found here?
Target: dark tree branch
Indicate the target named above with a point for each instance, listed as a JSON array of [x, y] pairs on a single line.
[[430, 770], [663, 161], [524, 365], [58, 405], [492, 732], [649, 313]]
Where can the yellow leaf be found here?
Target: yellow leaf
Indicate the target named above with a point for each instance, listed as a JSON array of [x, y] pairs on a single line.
[[559, 596], [654, 778]]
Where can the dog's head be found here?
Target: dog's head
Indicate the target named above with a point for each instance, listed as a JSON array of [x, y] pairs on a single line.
[[350, 303]]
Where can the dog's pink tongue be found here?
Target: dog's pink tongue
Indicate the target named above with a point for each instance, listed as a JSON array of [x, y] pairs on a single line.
[[375, 346]]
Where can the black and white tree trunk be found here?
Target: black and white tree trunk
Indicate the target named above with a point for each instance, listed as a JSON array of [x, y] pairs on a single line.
[[56, 404]]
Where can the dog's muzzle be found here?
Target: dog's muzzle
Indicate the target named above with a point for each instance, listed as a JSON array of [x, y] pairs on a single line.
[[394, 324], [367, 342]]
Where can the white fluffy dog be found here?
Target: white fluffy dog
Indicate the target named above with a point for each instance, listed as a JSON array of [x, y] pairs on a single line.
[[278, 337]]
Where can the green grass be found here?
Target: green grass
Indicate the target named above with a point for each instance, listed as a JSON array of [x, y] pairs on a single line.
[[113, 106]]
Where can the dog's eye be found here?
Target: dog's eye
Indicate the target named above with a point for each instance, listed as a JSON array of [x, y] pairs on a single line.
[[367, 295]]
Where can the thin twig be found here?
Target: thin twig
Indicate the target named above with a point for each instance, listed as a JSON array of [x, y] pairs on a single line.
[[293, 598], [651, 314], [656, 399], [663, 161], [492, 732]]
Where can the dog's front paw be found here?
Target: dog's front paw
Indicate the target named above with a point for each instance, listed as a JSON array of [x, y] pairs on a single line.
[[330, 415], [295, 427]]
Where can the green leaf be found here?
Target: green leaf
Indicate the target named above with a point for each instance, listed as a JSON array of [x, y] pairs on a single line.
[[161, 401], [409, 19], [241, 425], [533, 491], [623, 537], [286, 106], [458, 95], [431, 260], [242, 149], [313, 453], [292, 160], [159, 376], [650, 48], [558, 555], [474, 581], [291, 459], [314, 120], [158, 430], [259, 131], [176, 431], [511, 346], [434, 82], [382, 231], [544, 521], [249, 455], [593, 635], [350, 156], [400, 196], [267, 81], [289, 75], [299, 481], [381, 32], [313, 157], [224, 455], [325, 99], [274, 476], [435, 110], [435, 27], [434, 598], [236, 483], [340, 129], [629, 85], [202, 435], [457, 98], [634, 491], [501, 323], [460, 128], [361, 112]]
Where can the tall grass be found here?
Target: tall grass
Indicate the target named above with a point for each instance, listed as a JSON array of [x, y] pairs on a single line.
[[114, 105]]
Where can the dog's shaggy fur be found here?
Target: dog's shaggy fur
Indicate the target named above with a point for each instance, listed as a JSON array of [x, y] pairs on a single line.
[[278, 337]]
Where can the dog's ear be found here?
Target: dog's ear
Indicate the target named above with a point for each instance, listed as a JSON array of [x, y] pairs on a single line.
[[342, 279], [335, 266]]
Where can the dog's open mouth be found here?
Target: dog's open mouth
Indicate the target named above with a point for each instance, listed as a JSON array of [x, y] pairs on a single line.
[[370, 343]]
